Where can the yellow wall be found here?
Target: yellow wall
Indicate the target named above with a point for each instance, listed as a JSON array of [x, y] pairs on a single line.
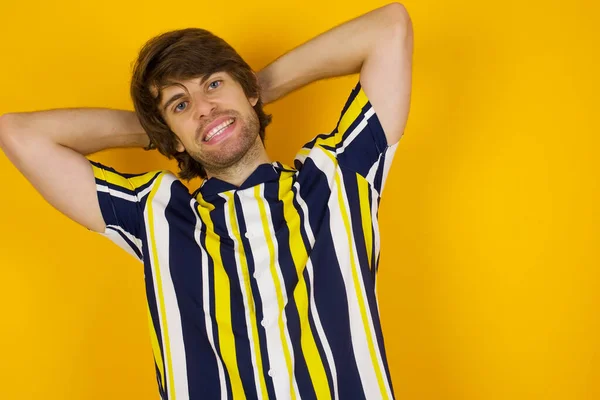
[[489, 282]]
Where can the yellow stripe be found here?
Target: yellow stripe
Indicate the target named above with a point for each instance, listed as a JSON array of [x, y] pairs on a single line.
[[249, 298], [163, 312], [365, 214], [314, 363], [139, 181], [265, 224], [361, 300], [118, 180], [353, 111], [222, 301], [330, 141], [156, 350]]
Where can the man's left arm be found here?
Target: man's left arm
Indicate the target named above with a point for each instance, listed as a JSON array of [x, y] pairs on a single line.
[[378, 45]]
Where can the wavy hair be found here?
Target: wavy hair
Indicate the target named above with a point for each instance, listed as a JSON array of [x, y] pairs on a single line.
[[181, 55]]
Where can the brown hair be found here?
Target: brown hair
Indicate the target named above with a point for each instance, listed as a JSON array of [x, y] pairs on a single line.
[[181, 55]]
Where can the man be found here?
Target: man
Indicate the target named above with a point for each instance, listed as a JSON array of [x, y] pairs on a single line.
[[261, 283]]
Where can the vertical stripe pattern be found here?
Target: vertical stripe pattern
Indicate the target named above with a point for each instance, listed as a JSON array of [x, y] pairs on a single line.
[[265, 290]]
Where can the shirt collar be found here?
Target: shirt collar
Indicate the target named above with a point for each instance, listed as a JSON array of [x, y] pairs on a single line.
[[262, 174]]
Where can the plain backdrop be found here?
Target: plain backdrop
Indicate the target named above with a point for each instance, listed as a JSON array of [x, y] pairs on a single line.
[[489, 282]]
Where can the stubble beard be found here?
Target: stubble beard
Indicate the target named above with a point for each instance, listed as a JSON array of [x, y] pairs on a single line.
[[236, 153]]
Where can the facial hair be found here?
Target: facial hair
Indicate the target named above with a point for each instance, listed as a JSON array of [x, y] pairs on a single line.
[[237, 152]]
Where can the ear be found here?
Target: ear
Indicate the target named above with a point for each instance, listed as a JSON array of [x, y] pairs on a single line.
[[254, 100], [179, 146]]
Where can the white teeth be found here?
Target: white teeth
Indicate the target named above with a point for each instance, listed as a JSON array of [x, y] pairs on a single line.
[[217, 130]]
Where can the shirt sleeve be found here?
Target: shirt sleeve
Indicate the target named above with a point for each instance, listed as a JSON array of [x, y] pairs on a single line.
[[358, 141], [122, 199]]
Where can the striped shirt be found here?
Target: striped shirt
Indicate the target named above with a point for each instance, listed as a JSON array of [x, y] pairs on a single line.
[[266, 290]]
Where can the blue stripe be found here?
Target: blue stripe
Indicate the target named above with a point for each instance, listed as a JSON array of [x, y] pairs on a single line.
[[153, 308], [202, 372], [257, 300], [329, 290], [107, 168], [327, 287], [309, 283], [368, 274], [290, 278], [218, 202], [238, 310]]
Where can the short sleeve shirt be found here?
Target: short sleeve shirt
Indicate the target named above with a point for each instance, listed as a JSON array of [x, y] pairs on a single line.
[[266, 290]]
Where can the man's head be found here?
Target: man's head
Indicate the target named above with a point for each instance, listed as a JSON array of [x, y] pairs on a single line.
[[187, 82]]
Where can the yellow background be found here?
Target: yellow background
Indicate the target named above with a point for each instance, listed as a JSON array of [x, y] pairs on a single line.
[[489, 282]]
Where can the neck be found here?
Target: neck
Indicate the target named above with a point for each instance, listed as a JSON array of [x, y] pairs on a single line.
[[240, 171]]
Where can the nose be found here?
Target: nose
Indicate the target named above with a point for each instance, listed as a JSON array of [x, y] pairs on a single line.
[[203, 107]]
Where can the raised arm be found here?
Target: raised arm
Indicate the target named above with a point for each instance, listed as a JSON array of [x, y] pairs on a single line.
[[49, 149], [378, 45]]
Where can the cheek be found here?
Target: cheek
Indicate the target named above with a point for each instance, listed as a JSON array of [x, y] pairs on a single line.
[[185, 132]]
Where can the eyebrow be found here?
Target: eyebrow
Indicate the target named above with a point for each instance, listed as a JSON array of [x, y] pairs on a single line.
[[180, 95], [171, 100]]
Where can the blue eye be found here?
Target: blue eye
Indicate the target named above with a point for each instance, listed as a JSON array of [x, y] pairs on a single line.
[[215, 82], [176, 109]]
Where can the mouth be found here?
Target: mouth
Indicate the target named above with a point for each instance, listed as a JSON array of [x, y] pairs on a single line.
[[219, 131]]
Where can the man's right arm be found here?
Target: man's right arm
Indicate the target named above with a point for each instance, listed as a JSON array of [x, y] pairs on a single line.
[[49, 148]]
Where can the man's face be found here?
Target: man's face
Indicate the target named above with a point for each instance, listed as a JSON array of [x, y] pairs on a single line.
[[198, 111]]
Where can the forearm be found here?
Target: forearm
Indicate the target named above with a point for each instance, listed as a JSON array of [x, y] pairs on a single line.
[[339, 51], [85, 130]]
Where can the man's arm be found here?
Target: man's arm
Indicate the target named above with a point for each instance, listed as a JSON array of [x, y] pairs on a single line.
[[49, 149], [378, 45]]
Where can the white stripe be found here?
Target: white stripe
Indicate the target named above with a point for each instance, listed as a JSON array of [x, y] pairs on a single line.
[[387, 163], [389, 157], [313, 304], [116, 193], [363, 291], [358, 129], [245, 296], [206, 301], [360, 343], [372, 171], [375, 221], [268, 294], [281, 283], [161, 232], [114, 236], [133, 239], [375, 224], [340, 242], [145, 191], [357, 333]]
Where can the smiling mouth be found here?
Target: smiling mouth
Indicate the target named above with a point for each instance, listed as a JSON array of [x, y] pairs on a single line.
[[217, 130]]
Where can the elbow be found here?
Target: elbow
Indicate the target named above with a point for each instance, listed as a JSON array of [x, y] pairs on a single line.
[[396, 9], [399, 19], [11, 130]]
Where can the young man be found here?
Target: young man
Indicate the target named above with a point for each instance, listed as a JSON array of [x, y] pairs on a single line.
[[261, 283]]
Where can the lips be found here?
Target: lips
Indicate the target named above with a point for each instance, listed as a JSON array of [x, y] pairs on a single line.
[[213, 124]]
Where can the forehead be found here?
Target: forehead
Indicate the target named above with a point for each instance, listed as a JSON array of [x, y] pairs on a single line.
[[158, 89]]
